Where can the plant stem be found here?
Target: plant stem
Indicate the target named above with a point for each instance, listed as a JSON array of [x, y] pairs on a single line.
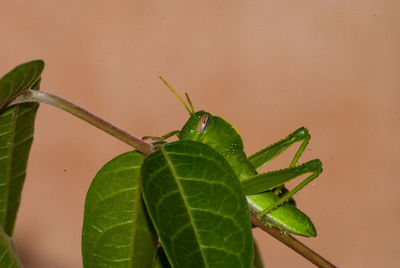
[[122, 135], [147, 148], [293, 243]]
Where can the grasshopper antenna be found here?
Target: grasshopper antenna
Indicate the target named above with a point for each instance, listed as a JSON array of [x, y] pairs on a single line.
[[191, 112], [190, 102]]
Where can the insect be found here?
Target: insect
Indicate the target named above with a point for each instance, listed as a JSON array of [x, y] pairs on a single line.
[[265, 192]]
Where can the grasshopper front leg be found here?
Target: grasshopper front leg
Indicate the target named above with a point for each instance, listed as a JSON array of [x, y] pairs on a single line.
[[163, 137]]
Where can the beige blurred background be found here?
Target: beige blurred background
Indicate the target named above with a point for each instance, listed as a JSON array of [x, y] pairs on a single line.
[[269, 67]]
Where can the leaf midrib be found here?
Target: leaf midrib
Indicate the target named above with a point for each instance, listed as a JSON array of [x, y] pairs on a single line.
[[10, 155], [163, 151]]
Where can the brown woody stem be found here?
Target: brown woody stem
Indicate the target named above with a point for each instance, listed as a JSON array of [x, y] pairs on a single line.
[[292, 242], [147, 148], [122, 135]]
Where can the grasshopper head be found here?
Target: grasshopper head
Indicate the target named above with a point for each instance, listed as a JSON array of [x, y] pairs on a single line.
[[213, 131], [208, 129]]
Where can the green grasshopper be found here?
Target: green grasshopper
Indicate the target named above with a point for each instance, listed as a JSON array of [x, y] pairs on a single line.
[[265, 192]]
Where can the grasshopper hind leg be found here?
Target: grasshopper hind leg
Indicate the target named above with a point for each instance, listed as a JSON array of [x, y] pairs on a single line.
[[274, 180]]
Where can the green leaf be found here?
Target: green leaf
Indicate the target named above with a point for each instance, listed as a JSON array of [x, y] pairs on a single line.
[[21, 78], [116, 229], [16, 136], [8, 254], [161, 260], [197, 206]]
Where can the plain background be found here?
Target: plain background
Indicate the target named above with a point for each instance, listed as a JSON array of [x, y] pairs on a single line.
[[268, 67]]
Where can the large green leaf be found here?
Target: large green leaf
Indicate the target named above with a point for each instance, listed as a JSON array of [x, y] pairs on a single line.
[[19, 79], [116, 229], [197, 206], [8, 255], [16, 135]]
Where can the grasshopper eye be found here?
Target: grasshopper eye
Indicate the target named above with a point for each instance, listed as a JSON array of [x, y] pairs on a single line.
[[203, 123]]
